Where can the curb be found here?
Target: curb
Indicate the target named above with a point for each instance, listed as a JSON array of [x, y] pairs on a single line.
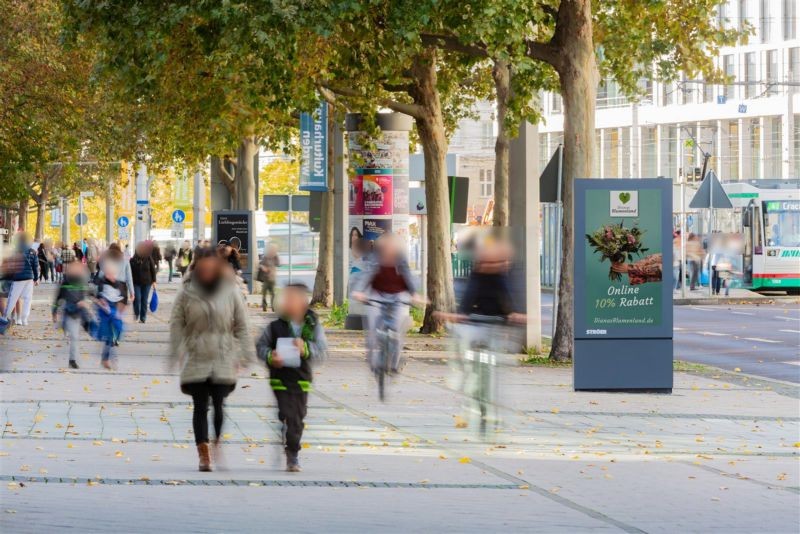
[[710, 301]]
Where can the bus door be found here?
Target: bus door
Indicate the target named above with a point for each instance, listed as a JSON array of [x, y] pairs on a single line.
[[752, 241]]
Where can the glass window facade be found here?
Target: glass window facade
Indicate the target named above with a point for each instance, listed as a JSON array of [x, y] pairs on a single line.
[[793, 69], [649, 146], [789, 19], [751, 75], [544, 152], [729, 151], [772, 72], [729, 68], [772, 147], [669, 151], [752, 161], [794, 160]]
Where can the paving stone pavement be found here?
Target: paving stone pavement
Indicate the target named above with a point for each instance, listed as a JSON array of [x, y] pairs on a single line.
[[100, 451]]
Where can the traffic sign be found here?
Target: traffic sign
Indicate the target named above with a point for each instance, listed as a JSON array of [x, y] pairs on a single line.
[[123, 221], [177, 231], [178, 216], [81, 219], [124, 233]]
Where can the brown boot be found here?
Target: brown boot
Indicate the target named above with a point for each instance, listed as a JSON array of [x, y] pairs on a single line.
[[205, 457]]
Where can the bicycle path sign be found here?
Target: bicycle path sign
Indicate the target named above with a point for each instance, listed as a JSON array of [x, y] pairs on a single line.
[[123, 221], [178, 216]]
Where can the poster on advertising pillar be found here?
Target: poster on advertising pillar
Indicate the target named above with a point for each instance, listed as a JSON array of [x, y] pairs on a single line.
[[623, 284]]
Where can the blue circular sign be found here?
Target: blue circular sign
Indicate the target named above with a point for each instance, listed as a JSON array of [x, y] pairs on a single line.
[[81, 219], [178, 216], [123, 222]]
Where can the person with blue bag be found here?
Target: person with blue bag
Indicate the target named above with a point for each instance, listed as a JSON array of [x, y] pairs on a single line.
[[154, 301], [112, 297]]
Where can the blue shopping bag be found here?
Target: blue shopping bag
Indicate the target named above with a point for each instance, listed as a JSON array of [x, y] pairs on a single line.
[[154, 302]]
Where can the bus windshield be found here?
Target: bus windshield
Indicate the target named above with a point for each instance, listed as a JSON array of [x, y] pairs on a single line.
[[782, 223]]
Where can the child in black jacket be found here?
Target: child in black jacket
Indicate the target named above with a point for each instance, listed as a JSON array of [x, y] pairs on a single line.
[[72, 301], [291, 383]]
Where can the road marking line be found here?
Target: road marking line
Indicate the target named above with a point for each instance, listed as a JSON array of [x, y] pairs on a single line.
[[676, 328], [742, 313], [786, 318], [761, 339], [704, 308], [792, 363], [713, 334], [790, 331]]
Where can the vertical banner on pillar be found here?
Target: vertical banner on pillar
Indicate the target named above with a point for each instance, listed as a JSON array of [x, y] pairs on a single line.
[[623, 284], [314, 149], [182, 197], [55, 217], [127, 180]]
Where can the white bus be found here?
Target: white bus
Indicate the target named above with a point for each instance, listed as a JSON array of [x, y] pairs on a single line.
[[768, 212]]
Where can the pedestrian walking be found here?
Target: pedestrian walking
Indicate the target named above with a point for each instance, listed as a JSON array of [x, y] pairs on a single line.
[[169, 257], [185, 254], [57, 261], [26, 276], [267, 273], [694, 256], [73, 304], [114, 254], [112, 297], [209, 340], [143, 271], [288, 346], [229, 254], [78, 251], [155, 253], [41, 256], [49, 254], [677, 267], [92, 257]]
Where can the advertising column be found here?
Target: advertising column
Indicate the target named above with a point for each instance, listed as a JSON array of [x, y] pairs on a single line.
[[623, 284], [377, 186]]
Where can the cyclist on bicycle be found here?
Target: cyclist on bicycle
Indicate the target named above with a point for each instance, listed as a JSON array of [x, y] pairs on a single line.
[[481, 335], [488, 291], [386, 277]]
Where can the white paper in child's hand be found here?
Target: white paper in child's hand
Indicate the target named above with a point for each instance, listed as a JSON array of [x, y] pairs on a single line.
[[288, 352]]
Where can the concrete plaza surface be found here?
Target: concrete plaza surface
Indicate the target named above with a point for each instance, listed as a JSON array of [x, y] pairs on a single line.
[[100, 451]]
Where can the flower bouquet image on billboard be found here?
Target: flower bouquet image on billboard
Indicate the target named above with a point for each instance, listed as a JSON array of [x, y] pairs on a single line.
[[624, 249], [623, 260]]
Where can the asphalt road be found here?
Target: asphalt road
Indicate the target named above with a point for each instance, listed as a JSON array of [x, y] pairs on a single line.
[[762, 340]]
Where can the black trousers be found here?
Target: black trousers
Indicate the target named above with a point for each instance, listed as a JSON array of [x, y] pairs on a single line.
[[292, 407], [200, 392]]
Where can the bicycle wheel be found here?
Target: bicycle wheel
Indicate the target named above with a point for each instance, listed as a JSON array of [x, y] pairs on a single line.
[[382, 385], [383, 347]]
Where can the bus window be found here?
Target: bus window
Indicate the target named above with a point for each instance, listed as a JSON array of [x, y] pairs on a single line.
[[781, 226]]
